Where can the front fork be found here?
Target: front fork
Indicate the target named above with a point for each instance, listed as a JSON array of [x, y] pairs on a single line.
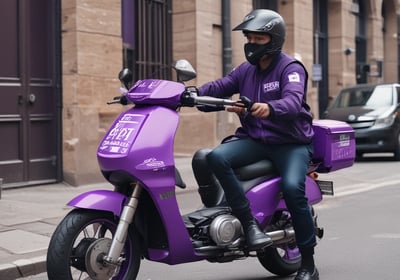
[[121, 233]]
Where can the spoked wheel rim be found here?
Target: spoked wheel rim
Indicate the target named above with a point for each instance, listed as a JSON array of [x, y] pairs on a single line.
[[289, 255], [284, 258], [90, 245]]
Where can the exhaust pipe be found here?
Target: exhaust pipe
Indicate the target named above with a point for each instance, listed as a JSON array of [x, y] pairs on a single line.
[[281, 236], [278, 237]]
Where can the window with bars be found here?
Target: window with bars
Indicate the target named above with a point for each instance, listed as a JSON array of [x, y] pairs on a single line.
[[150, 53], [265, 4]]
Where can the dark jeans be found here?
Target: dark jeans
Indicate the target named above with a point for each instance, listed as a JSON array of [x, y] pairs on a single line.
[[291, 161]]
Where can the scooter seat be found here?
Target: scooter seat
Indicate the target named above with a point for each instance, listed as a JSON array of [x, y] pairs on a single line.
[[210, 189], [260, 168], [244, 173]]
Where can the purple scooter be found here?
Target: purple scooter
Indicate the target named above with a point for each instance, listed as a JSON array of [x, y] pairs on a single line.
[[108, 232]]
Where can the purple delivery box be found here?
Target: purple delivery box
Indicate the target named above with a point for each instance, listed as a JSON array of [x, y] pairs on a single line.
[[334, 145]]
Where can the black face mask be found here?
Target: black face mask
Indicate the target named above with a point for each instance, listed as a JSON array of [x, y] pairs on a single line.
[[254, 52]]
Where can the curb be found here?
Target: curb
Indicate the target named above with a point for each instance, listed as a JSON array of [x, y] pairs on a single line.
[[23, 268]]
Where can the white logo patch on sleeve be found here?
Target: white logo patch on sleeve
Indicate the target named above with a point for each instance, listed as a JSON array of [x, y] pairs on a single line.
[[294, 77]]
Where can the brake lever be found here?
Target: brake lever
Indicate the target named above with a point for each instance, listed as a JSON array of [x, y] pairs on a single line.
[[118, 100], [245, 102]]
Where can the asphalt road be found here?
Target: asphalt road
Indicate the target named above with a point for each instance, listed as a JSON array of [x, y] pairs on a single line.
[[362, 232]]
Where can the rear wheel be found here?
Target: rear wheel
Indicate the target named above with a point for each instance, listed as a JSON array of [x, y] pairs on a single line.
[[79, 243], [282, 259]]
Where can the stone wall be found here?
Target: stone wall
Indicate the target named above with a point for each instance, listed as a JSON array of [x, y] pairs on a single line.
[[91, 49], [201, 44]]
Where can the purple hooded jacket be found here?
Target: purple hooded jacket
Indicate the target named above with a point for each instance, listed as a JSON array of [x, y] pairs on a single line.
[[283, 85]]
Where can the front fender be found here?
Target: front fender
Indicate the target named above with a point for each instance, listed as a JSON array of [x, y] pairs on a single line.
[[104, 200]]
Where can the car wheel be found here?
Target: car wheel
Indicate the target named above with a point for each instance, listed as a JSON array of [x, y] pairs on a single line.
[[397, 150]]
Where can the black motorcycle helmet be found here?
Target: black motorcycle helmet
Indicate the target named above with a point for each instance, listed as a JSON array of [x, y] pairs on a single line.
[[267, 22]]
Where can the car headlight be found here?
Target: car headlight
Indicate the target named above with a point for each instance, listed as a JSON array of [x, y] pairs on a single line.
[[385, 122]]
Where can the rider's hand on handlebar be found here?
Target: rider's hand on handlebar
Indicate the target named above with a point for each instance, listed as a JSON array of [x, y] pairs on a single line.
[[236, 109], [242, 105], [260, 110]]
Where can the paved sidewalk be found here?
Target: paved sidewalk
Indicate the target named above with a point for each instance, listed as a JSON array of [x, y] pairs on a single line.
[[28, 217]]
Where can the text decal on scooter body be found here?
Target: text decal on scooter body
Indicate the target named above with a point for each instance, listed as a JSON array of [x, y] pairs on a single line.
[[121, 136], [146, 86], [342, 148], [151, 164]]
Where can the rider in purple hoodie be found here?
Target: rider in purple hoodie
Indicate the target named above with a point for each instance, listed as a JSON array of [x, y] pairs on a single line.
[[278, 126]]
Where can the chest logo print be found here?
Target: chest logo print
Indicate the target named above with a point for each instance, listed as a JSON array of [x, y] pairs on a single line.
[[271, 86]]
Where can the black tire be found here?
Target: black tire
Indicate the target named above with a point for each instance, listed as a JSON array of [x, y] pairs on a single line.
[[276, 261], [284, 259], [70, 242]]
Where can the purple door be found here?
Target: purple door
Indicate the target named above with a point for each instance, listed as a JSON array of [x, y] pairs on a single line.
[[29, 92]]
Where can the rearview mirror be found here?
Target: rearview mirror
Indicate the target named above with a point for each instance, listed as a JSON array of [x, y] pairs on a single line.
[[184, 70], [126, 77]]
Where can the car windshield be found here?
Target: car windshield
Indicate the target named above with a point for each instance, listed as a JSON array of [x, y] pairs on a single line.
[[372, 97]]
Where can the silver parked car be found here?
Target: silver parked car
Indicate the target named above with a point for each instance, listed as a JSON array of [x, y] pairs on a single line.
[[373, 110]]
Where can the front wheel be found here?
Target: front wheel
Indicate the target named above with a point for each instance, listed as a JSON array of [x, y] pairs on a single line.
[[79, 243]]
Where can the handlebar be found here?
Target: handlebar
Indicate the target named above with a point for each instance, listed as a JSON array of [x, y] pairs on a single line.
[[190, 98], [209, 104], [207, 100]]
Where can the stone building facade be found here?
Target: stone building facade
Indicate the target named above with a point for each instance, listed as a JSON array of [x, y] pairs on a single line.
[[202, 37], [91, 51], [92, 58]]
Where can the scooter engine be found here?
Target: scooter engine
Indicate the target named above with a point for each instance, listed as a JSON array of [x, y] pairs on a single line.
[[225, 229]]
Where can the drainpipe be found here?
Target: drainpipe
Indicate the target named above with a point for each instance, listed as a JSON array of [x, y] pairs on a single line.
[[226, 37]]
